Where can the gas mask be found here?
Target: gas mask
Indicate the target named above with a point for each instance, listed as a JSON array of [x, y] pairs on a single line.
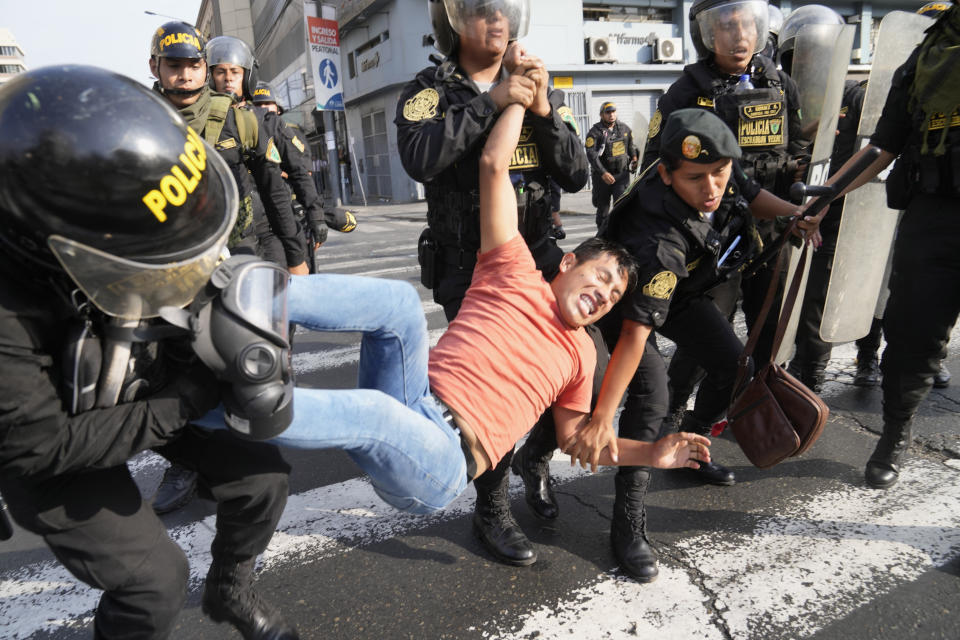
[[239, 329]]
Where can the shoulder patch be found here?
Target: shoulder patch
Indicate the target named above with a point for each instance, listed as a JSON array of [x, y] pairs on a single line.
[[421, 106], [655, 121], [590, 142], [299, 145], [705, 102], [661, 286], [567, 116], [272, 154], [229, 143]]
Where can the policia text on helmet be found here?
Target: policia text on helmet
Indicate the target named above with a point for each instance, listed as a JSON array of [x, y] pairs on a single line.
[[128, 210], [730, 32], [177, 61]]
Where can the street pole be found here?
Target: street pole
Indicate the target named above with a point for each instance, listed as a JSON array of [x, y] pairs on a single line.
[[329, 12]]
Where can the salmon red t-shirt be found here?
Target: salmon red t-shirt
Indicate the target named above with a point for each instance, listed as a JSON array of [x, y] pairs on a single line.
[[508, 355]]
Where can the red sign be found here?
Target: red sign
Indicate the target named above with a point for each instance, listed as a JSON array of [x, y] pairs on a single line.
[[323, 32]]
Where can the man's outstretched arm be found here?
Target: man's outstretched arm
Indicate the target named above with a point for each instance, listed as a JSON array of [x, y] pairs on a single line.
[[498, 201]]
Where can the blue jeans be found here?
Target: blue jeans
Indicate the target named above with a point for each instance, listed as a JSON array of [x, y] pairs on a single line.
[[390, 426]]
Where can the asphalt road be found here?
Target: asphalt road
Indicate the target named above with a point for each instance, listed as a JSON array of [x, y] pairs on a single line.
[[803, 550]]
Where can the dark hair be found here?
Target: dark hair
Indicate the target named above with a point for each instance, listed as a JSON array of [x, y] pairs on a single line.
[[594, 247], [670, 161]]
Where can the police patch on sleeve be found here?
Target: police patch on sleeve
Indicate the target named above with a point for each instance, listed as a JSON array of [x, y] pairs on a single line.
[[272, 154], [590, 142], [661, 286], [421, 106], [299, 145], [567, 116], [655, 120]]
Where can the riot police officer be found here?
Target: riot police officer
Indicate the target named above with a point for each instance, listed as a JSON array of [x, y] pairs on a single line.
[[920, 124], [613, 156], [295, 161], [106, 201], [233, 72], [177, 59], [443, 117], [688, 222], [760, 105]]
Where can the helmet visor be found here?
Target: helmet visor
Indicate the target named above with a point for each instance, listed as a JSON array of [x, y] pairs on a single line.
[[462, 13], [734, 25], [134, 289], [229, 50]]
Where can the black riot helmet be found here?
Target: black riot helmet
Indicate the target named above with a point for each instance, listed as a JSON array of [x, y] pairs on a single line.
[[231, 50], [708, 16], [810, 14], [449, 18], [103, 180], [933, 9], [263, 94], [177, 40]]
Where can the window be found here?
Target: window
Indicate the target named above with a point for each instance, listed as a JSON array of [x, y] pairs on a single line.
[[376, 158]]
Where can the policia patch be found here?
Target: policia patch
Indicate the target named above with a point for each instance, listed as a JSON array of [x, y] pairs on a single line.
[[272, 154], [661, 286], [567, 116], [421, 106], [655, 121]]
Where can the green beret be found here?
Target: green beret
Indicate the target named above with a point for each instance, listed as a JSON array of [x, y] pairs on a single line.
[[698, 135]]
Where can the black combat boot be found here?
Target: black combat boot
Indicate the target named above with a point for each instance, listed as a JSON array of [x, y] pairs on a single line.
[[883, 468], [493, 523], [709, 472], [811, 374], [868, 370], [628, 530], [532, 463], [941, 379], [176, 489], [229, 596]]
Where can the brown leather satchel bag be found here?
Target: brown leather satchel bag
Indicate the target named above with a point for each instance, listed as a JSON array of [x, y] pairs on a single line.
[[773, 415]]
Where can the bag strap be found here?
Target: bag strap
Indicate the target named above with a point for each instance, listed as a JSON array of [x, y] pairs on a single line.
[[219, 106], [246, 127], [784, 318]]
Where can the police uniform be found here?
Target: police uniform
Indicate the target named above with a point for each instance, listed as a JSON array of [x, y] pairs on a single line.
[[79, 395], [65, 476], [682, 255], [610, 149], [766, 124], [442, 120], [812, 353], [924, 297], [255, 164]]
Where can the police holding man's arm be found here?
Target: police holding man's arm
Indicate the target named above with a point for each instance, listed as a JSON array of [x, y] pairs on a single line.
[[613, 156], [111, 208], [443, 118], [688, 222]]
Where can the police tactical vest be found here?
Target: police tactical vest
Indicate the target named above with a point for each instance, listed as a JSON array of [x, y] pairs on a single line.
[[757, 117], [248, 132]]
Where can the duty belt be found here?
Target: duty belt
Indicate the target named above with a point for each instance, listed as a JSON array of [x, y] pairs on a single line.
[[467, 454]]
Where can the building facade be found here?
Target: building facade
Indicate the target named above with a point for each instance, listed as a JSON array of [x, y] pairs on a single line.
[[11, 56], [627, 51]]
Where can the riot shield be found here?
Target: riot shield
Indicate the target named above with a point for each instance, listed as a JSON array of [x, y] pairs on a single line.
[[868, 226], [820, 61]]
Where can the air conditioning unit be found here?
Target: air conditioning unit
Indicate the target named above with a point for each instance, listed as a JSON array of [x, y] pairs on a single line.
[[600, 50], [668, 50]]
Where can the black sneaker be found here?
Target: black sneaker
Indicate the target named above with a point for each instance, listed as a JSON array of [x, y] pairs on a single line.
[[176, 489]]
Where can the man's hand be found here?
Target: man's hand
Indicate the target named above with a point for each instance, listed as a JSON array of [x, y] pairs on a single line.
[[608, 177], [299, 270], [633, 165], [679, 450], [532, 67], [514, 90], [515, 53], [586, 444]]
